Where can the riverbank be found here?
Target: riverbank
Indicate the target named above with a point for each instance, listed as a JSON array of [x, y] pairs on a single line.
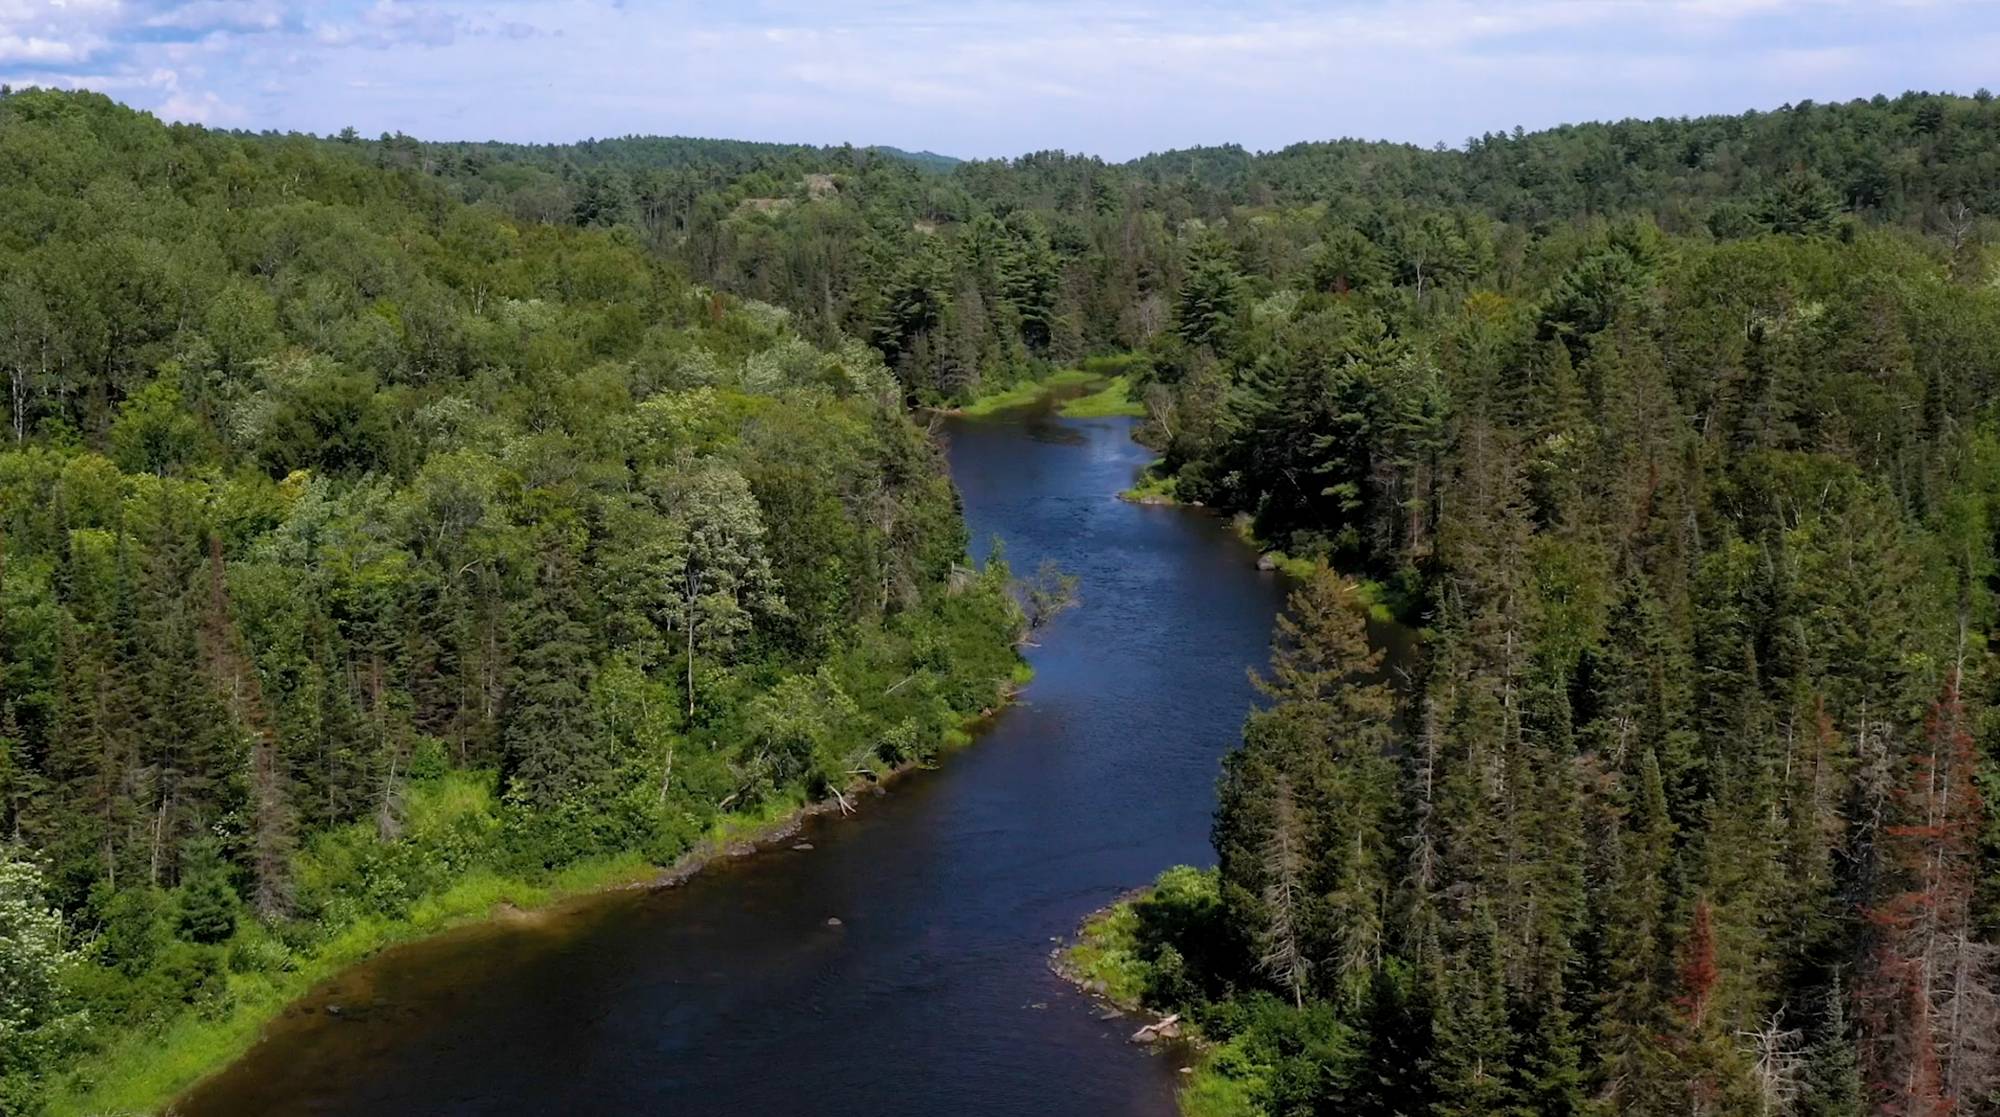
[[921, 925], [1100, 388], [1393, 601], [1112, 401], [1025, 393], [146, 1069], [1117, 959]]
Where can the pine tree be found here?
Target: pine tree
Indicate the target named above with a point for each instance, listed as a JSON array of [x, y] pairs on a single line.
[[235, 676], [1211, 297], [1705, 1078], [1632, 1019], [550, 729], [1284, 955], [1550, 1062], [1474, 1042], [1832, 1086], [1392, 1078], [206, 899]]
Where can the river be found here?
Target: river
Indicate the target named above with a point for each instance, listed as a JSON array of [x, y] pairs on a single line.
[[735, 994]]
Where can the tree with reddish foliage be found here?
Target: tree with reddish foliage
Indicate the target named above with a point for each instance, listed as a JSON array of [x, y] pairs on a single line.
[[1706, 1074], [1698, 971], [1929, 1010]]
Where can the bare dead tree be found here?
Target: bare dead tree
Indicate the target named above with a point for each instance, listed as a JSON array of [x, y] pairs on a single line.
[[1047, 595], [1160, 409], [1283, 957], [1968, 1010], [1777, 1056], [1959, 222]]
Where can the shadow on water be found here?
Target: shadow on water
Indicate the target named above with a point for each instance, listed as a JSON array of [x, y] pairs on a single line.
[[735, 994]]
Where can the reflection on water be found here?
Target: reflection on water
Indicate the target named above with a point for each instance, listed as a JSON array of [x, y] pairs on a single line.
[[734, 994]]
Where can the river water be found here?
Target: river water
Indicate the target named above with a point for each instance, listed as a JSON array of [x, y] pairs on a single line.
[[734, 994]]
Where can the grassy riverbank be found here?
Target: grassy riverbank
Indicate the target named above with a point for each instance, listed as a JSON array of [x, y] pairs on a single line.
[[1167, 950], [1153, 487], [464, 853], [145, 1070], [1396, 600], [1132, 954], [1026, 392], [1099, 388], [1113, 400]]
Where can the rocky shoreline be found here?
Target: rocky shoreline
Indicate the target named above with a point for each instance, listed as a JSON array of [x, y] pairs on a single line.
[[781, 831], [1162, 1033]]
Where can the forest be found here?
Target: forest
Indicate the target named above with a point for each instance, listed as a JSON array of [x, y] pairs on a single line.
[[1675, 437], [368, 558], [382, 515]]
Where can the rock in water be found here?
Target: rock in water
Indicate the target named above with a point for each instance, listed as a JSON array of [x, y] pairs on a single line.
[[1169, 1028]]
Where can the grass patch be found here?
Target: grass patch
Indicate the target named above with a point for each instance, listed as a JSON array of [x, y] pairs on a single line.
[[1100, 389], [1027, 392], [1398, 601], [1131, 951], [1154, 487], [1115, 400], [1212, 1093], [1299, 568], [1107, 951]]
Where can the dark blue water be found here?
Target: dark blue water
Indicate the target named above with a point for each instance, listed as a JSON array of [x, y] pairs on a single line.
[[733, 994]]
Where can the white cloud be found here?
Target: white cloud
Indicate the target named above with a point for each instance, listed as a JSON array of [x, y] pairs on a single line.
[[34, 48], [214, 15], [200, 108]]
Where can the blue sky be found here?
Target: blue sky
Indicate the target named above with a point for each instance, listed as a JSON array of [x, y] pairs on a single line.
[[986, 77]]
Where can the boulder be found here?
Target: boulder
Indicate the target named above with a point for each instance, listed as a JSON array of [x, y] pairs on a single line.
[[1169, 1028]]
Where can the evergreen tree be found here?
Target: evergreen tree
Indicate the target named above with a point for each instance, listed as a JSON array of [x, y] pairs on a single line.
[[206, 899], [1315, 761], [1211, 297], [550, 730], [1473, 1052], [1832, 1086]]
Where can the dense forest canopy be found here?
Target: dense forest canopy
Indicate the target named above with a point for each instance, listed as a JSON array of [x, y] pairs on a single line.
[[979, 276], [1677, 438], [356, 542], [339, 464]]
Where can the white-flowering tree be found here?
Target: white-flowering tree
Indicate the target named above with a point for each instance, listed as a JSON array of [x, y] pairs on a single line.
[[724, 582], [36, 1021]]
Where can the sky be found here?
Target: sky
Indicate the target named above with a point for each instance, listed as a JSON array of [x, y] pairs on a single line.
[[980, 78]]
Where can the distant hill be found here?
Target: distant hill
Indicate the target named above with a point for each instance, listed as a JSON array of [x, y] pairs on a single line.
[[928, 160]]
